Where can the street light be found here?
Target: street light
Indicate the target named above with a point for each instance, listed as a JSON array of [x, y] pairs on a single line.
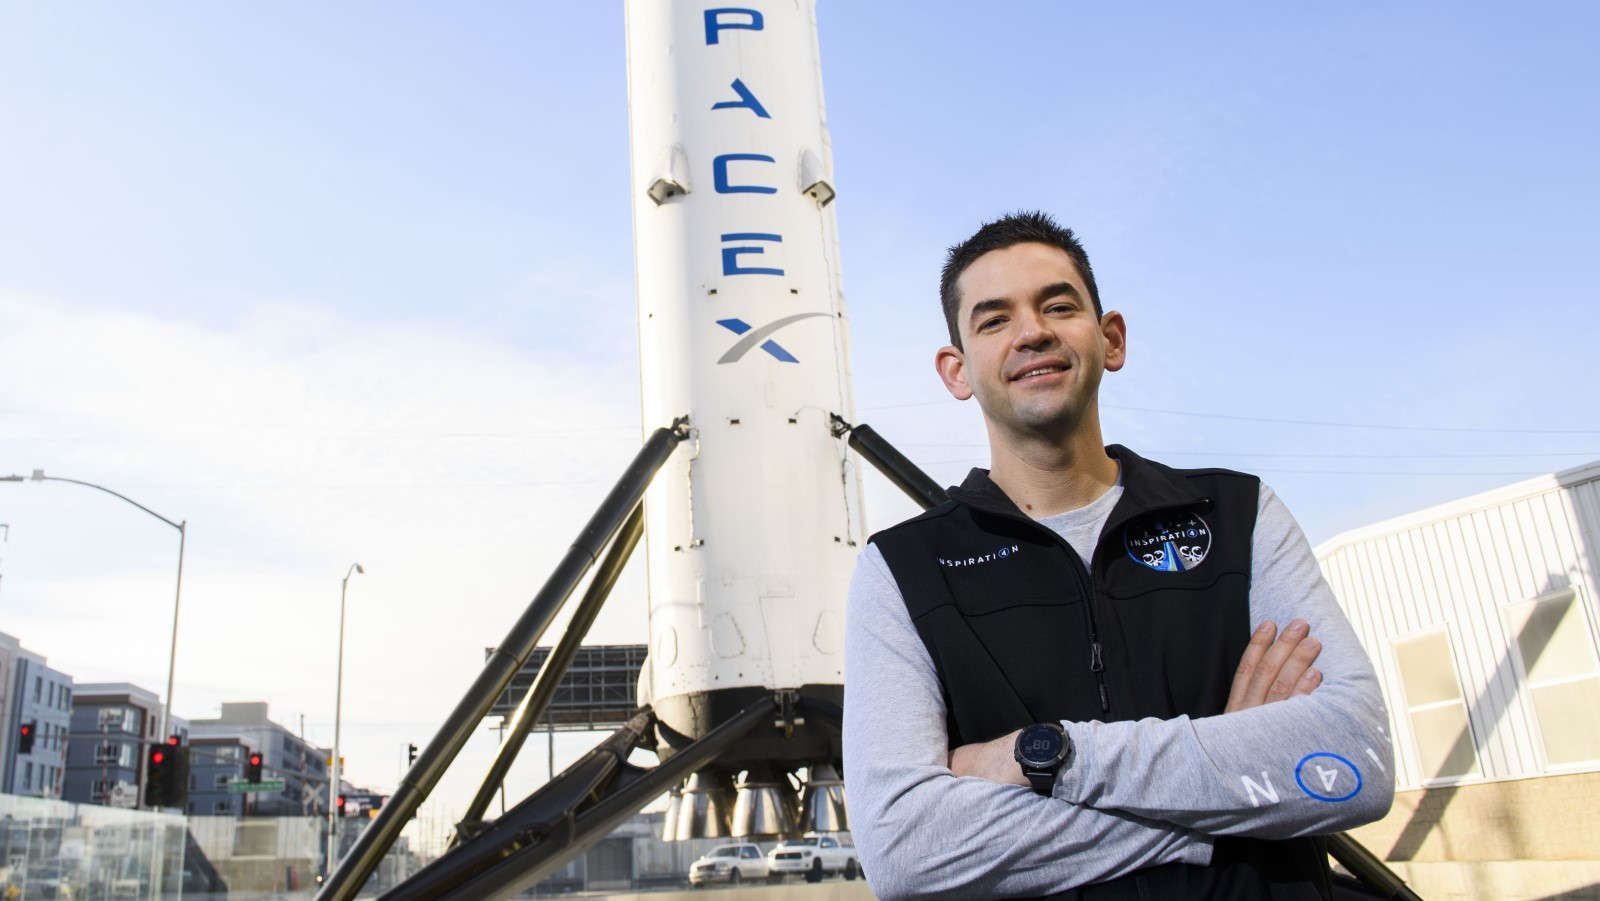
[[338, 712], [183, 534]]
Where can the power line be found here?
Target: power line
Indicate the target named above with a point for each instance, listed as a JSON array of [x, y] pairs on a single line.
[[1356, 425], [1351, 456], [1278, 421], [1327, 472]]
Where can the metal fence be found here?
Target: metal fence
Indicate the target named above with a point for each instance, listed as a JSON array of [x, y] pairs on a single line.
[[53, 850]]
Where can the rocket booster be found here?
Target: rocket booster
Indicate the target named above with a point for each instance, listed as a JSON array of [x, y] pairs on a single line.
[[752, 528]]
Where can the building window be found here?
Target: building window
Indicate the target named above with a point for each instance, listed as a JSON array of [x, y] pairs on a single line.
[[66, 698], [98, 789], [27, 775], [1561, 673], [1436, 707], [220, 783], [222, 807], [113, 752], [119, 719], [38, 688]]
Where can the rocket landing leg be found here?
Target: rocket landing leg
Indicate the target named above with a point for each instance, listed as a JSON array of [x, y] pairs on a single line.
[[503, 664], [582, 805]]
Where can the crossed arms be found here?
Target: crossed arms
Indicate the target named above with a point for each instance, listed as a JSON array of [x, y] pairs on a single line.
[[932, 823]]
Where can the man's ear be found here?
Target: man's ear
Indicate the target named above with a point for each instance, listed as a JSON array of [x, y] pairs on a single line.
[[1115, 332], [952, 366]]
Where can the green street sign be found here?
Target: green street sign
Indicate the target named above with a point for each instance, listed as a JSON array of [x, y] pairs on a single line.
[[269, 785]]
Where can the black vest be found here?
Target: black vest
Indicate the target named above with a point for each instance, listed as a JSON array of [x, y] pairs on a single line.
[[1021, 633]]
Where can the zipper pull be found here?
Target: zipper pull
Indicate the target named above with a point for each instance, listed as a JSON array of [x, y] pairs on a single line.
[[1095, 663], [1105, 702]]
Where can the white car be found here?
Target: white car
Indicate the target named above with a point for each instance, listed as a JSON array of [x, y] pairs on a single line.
[[729, 863], [814, 857]]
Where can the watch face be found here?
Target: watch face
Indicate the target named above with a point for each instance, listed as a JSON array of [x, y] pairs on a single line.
[[1040, 745]]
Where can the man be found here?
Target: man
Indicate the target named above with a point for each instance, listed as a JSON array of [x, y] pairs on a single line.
[[1058, 680]]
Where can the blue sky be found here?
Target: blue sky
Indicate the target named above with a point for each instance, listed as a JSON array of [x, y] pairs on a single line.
[[355, 283]]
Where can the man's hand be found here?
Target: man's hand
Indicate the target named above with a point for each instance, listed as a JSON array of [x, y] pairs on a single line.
[[1274, 670], [992, 760]]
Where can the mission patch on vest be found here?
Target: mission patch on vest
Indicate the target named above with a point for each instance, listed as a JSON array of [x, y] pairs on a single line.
[[1167, 540]]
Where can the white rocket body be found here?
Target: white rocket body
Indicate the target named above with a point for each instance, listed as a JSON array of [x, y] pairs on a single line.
[[753, 525]]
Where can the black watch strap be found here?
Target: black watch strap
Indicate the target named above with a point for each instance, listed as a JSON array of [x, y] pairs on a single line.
[[1043, 781]]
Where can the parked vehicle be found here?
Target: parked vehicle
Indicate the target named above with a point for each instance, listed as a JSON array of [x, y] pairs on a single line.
[[729, 863], [814, 857]]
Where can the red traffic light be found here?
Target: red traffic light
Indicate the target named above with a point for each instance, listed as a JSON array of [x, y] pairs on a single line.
[[255, 759], [156, 757], [172, 740], [340, 803], [27, 730]]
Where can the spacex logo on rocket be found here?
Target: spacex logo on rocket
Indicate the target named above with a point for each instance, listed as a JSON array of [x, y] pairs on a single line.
[[755, 109]]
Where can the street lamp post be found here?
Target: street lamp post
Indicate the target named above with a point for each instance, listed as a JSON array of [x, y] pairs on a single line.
[[177, 597], [338, 714]]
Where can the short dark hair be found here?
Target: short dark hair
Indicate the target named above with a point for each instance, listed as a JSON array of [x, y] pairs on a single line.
[[1022, 227]]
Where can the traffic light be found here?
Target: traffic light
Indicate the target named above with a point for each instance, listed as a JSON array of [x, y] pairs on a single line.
[[167, 775], [25, 737], [177, 771], [411, 755], [253, 767], [156, 776], [341, 805]]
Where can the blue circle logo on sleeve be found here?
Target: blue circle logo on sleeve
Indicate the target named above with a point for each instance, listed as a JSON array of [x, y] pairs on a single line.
[[1328, 777]]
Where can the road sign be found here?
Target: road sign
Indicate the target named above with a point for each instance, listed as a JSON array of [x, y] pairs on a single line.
[[122, 795], [266, 785]]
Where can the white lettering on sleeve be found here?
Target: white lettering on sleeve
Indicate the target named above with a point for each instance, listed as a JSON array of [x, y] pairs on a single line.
[[1267, 791], [1329, 777]]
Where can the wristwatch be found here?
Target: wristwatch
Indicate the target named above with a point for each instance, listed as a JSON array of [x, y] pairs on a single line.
[[1042, 750]]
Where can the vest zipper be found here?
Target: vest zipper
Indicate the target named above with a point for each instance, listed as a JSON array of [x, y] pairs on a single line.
[[1096, 662]]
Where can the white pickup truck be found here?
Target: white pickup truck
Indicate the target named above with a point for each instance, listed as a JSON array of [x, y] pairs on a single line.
[[815, 856]]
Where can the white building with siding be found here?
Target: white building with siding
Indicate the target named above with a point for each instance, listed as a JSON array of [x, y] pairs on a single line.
[[1481, 618]]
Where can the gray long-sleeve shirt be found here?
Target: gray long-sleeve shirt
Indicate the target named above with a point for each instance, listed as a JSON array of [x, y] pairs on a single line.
[[1138, 793]]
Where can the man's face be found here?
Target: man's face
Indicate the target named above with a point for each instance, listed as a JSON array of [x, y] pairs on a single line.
[[1033, 351]]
